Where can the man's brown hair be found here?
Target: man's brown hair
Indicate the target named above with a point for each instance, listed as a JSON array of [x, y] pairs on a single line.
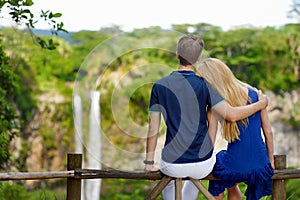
[[189, 49]]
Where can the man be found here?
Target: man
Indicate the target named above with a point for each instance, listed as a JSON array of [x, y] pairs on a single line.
[[183, 99]]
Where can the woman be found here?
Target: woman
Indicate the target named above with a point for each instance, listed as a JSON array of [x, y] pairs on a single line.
[[248, 158]]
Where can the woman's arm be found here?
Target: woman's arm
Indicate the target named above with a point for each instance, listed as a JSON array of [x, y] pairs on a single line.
[[267, 131], [212, 125]]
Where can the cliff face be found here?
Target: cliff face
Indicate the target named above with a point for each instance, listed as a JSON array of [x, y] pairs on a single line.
[[284, 115], [44, 144]]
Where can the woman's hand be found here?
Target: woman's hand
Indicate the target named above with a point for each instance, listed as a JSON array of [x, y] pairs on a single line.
[[273, 165]]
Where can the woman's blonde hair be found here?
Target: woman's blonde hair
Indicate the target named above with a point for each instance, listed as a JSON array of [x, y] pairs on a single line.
[[220, 77]]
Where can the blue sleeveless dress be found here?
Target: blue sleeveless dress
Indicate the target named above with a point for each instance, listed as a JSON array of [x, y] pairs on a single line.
[[245, 160]]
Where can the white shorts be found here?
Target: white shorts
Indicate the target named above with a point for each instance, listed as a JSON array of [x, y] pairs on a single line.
[[197, 170]]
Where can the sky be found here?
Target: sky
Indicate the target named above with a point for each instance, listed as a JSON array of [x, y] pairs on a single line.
[[130, 14]]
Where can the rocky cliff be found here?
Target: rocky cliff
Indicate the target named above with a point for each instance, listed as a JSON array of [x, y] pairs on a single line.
[[284, 115]]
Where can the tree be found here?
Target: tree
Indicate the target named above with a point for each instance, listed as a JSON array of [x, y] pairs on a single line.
[[20, 13], [9, 123], [9, 119], [294, 13]]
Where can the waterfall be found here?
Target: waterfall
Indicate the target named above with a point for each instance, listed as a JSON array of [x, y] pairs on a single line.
[[77, 106], [78, 124], [92, 186]]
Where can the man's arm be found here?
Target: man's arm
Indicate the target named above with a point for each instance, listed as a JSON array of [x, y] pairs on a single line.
[[233, 114], [153, 129]]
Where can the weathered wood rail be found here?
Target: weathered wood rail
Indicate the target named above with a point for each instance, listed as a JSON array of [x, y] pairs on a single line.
[[75, 174]]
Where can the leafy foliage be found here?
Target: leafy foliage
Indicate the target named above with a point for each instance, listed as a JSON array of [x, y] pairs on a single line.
[[293, 190], [10, 191], [12, 96], [265, 58], [122, 189], [9, 121], [295, 10], [262, 57], [20, 12]]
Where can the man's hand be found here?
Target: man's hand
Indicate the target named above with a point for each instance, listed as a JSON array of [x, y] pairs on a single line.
[[263, 99], [151, 168]]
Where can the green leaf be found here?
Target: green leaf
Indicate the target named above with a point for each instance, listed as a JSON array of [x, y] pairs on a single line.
[[57, 15], [28, 3], [14, 2], [2, 3], [26, 11]]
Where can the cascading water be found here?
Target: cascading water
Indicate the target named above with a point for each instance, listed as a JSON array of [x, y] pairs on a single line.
[[77, 106], [92, 186], [78, 124], [93, 146]]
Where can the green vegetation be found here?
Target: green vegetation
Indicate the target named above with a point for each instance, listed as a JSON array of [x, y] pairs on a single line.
[[36, 85], [10, 191], [119, 189], [293, 192], [261, 57], [8, 116]]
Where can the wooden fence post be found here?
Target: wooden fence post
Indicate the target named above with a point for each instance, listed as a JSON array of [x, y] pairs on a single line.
[[74, 185], [178, 188], [279, 186]]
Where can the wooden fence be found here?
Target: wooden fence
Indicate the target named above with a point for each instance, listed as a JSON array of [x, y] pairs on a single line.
[[75, 174]]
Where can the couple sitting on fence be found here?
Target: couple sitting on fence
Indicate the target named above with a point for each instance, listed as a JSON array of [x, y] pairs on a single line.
[[192, 105]]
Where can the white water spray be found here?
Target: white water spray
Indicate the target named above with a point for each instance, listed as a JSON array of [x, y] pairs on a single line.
[[92, 186]]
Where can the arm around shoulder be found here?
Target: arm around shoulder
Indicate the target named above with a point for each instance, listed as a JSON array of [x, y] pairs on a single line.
[[233, 114]]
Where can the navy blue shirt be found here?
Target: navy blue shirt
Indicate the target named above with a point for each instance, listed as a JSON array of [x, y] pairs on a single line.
[[182, 98]]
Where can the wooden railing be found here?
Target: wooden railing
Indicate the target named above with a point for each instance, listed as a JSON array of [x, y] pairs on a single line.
[[75, 174]]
